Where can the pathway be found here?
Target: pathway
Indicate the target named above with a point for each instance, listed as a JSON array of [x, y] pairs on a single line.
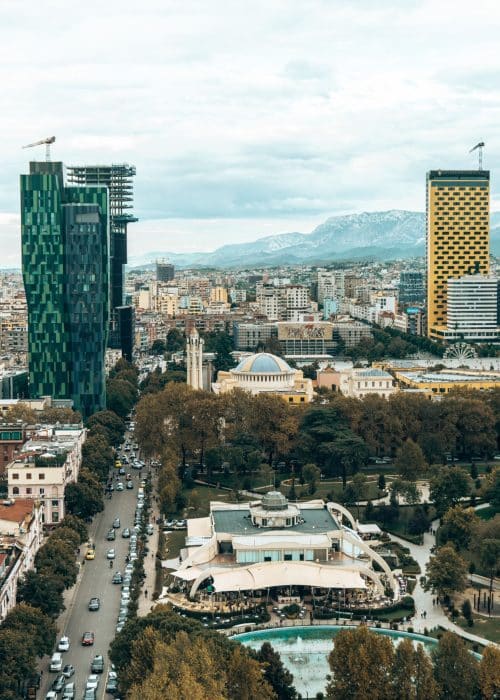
[[145, 602], [423, 599]]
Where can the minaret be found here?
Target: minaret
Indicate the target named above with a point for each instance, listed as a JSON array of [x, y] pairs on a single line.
[[194, 357]]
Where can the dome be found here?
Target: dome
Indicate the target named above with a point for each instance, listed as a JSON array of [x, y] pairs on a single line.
[[274, 500], [262, 363]]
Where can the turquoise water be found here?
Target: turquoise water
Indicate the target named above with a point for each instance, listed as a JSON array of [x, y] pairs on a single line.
[[304, 650]]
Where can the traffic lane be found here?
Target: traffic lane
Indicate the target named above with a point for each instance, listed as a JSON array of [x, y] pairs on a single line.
[[96, 580]]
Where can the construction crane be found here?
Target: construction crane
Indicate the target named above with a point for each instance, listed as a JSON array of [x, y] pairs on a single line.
[[47, 142], [479, 147]]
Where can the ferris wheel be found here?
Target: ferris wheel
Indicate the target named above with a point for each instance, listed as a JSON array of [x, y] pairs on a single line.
[[460, 351]]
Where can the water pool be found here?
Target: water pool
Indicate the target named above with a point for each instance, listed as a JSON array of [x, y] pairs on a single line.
[[304, 650]]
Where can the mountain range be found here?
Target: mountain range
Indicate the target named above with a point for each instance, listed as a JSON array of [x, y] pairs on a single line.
[[384, 235]]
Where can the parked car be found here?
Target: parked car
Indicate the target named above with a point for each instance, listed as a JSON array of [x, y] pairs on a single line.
[[119, 486], [94, 604], [130, 485], [90, 554], [149, 529], [116, 523], [69, 691], [63, 644], [126, 532], [89, 694], [87, 639], [117, 578], [55, 662], [92, 681], [97, 665], [59, 682], [51, 695], [68, 670]]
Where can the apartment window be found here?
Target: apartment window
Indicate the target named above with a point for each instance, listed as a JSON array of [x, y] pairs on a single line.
[[15, 491], [29, 491], [55, 517], [55, 503], [28, 475], [42, 491], [15, 476], [41, 476]]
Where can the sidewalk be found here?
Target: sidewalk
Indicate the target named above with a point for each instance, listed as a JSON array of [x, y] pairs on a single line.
[[423, 599], [145, 602]]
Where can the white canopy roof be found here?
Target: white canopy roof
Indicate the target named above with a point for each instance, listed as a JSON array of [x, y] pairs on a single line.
[[266, 575]]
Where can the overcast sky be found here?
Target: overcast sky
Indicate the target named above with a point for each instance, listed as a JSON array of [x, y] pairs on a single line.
[[249, 118]]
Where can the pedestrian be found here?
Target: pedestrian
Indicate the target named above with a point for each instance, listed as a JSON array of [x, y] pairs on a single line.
[[145, 594]]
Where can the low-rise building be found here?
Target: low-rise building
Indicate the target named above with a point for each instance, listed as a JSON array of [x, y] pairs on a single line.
[[358, 383], [21, 535], [435, 384], [48, 462]]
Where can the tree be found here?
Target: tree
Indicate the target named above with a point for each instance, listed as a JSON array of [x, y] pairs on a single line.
[[244, 678], [18, 662], [97, 455], [78, 525], [381, 482], [311, 475], [410, 461], [175, 340], [41, 591], [458, 526], [39, 629], [121, 396], [274, 424], [278, 677], [361, 663], [158, 347], [455, 669], [222, 345], [446, 571], [56, 558], [447, 486], [412, 674], [489, 673], [347, 455], [490, 558], [83, 500], [110, 423], [143, 657]]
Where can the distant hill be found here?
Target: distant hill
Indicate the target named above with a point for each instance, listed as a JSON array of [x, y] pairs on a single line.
[[384, 235]]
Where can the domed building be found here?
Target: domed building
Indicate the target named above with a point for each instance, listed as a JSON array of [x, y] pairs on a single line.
[[264, 372]]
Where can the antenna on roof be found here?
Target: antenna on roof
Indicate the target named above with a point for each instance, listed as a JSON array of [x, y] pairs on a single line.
[[479, 147]]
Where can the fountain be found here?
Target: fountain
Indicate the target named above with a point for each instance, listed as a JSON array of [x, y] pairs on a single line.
[[304, 650]]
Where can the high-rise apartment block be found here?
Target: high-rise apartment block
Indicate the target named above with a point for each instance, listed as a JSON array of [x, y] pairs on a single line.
[[65, 257], [118, 180], [411, 288], [472, 309], [165, 271], [457, 204]]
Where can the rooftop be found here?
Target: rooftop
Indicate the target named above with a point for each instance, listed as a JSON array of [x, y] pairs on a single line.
[[262, 362], [18, 511], [440, 377], [238, 522]]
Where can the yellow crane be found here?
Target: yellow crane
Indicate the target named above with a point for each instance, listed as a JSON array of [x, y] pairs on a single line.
[[47, 142]]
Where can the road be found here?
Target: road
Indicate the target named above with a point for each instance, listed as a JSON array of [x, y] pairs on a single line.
[[95, 580]]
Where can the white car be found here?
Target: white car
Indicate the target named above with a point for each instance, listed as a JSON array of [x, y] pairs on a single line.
[[92, 682], [111, 554], [63, 644]]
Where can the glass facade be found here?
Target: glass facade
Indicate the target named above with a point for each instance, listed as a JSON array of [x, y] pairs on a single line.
[[65, 254]]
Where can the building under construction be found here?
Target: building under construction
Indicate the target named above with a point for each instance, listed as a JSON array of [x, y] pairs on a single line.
[[118, 178]]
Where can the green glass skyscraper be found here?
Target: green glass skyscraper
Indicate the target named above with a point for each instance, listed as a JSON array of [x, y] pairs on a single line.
[[65, 257]]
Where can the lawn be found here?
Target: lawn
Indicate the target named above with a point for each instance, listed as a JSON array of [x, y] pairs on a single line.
[[486, 513], [487, 627], [326, 487]]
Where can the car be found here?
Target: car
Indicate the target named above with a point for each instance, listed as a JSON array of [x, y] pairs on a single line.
[[111, 535], [122, 617], [92, 681], [97, 665], [112, 686], [128, 477], [51, 695], [87, 639], [89, 694], [68, 670], [63, 644], [119, 486], [117, 578], [69, 691], [55, 665], [120, 626], [125, 597], [111, 554], [129, 568], [116, 523], [130, 485], [90, 554], [94, 604], [149, 529], [121, 471], [59, 682], [126, 533], [132, 556]]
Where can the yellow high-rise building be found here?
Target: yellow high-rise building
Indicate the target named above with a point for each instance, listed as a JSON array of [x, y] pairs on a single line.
[[458, 234]]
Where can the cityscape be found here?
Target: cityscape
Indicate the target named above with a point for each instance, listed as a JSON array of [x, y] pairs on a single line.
[[259, 458]]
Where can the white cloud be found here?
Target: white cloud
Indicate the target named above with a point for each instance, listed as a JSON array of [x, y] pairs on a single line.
[[264, 110]]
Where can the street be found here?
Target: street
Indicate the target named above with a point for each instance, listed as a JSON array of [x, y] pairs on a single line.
[[95, 580]]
